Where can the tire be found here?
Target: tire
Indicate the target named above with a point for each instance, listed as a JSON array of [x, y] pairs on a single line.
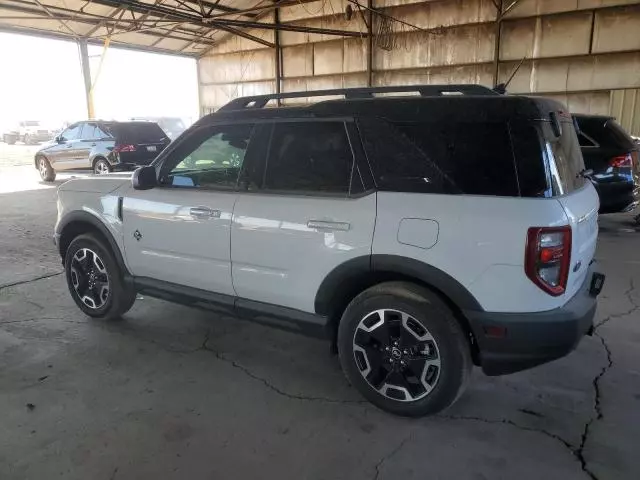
[[101, 166], [47, 173], [90, 267], [401, 347], [10, 139], [26, 140]]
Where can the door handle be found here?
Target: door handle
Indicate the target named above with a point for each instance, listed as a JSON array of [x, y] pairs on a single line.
[[204, 212], [328, 225]]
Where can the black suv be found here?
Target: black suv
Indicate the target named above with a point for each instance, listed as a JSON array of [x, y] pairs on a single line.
[[613, 156], [102, 147]]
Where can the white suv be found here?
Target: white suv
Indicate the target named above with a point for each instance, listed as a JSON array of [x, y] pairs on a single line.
[[421, 235]]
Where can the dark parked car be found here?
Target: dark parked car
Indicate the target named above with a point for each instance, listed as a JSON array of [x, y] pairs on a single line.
[[613, 156], [101, 146]]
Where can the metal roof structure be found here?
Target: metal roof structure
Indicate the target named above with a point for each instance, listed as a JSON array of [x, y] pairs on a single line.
[[182, 27]]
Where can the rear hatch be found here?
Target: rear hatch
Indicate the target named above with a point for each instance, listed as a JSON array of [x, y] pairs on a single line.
[[574, 192], [138, 143]]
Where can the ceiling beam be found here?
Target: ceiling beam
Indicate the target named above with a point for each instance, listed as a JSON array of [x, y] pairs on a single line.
[[170, 13], [95, 20], [221, 8], [35, 32]]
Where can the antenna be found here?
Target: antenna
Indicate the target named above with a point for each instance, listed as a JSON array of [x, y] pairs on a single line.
[[501, 88]]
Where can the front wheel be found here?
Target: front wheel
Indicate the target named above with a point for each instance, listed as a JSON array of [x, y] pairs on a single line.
[[402, 348], [47, 173], [95, 280], [101, 167]]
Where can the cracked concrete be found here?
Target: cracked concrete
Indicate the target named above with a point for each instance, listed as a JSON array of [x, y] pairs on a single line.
[[171, 392]]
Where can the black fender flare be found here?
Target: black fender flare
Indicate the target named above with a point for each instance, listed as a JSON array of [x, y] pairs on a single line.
[[94, 221], [348, 273]]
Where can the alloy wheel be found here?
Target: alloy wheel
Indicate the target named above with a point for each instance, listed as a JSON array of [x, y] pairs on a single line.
[[43, 168], [396, 355], [101, 168], [89, 278]]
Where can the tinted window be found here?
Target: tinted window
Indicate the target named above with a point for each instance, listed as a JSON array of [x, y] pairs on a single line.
[[309, 157], [473, 158], [398, 162], [72, 133], [585, 141], [102, 131], [137, 132], [211, 157], [604, 131], [530, 164], [565, 160], [89, 131]]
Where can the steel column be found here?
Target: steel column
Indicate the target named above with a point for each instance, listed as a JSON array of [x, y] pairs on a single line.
[[86, 74], [278, 53]]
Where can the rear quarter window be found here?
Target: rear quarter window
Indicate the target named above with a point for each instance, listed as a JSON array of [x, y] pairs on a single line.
[[448, 157], [564, 157]]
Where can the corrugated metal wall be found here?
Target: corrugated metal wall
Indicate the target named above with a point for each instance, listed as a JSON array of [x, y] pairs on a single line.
[[584, 52]]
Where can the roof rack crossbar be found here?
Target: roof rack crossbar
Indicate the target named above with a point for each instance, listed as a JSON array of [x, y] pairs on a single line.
[[259, 101]]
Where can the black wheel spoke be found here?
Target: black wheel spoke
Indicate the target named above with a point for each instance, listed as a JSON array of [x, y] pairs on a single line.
[[89, 278], [396, 355]]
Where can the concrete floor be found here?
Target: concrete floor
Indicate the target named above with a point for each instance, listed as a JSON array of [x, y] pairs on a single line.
[[171, 392]]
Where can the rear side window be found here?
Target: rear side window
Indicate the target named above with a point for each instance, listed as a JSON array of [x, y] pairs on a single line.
[[137, 133], [309, 157], [530, 164], [565, 160], [472, 158], [605, 132]]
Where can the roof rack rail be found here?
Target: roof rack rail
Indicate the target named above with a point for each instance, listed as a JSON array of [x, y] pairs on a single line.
[[259, 101]]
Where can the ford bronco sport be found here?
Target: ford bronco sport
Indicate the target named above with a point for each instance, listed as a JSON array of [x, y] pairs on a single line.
[[420, 234]]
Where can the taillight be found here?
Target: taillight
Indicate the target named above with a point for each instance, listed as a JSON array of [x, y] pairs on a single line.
[[547, 258], [124, 148], [622, 161]]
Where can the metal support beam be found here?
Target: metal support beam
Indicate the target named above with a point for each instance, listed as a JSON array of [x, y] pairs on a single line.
[[497, 35], [172, 14], [370, 43], [86, 75], [278, 53]]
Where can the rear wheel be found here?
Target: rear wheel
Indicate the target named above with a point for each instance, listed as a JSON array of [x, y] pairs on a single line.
[[26, 140], [101, 166], [402, 348], [47, 173], [10, 139], [95, 280]]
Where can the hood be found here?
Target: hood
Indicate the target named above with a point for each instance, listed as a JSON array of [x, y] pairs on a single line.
[[97, 184]]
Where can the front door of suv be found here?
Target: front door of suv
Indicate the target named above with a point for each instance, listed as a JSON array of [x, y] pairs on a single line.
[[304, 213], [179, 232]]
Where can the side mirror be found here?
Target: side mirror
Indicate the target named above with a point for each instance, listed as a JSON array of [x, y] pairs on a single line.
[[144, 178], [58, 139]]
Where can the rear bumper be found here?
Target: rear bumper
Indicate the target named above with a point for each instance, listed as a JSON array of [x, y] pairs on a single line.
[[510, 342]]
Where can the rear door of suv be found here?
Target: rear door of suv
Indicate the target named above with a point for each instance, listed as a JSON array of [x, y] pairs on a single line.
[[303, 212]]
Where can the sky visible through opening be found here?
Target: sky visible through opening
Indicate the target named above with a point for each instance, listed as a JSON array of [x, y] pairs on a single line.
[[41, 79]]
